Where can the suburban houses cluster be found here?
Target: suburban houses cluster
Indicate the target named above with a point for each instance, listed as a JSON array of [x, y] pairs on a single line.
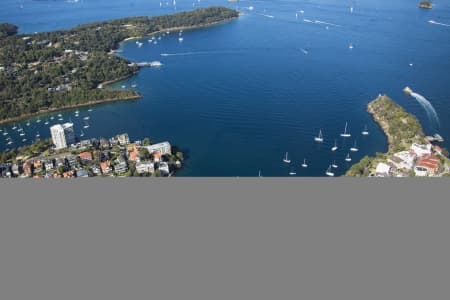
[[419, 160], [115, 156]]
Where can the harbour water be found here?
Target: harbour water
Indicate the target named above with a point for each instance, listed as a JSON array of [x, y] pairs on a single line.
[[236, 97]]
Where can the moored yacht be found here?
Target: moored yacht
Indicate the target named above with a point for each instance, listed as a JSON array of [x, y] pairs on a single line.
[[348, 158], [319, 138], [354, 148], [286, 159], [335, 147], [345, 133], [365, 131], [328, 172], [304, 164], [334, 165]]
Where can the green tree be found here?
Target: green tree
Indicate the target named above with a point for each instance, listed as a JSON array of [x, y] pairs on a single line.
[[146, 142]]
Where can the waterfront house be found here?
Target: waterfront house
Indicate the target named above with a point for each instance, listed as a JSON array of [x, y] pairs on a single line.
[[27, 168], [164, 168], [123, 139], [421, 150], [163, 148], [104, 143], [60, 161], [145, 167], [120, 166], [96, 170], [437, 149], [403, 160], [85, 156], [427, 165], [133, 153], [37, 165], [82, 173], [157, 157], [49, 165], [106, 167], [383, 170], [16, 169]]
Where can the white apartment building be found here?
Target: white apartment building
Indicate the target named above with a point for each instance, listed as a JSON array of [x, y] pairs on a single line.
[[163, 148], [62, 135]]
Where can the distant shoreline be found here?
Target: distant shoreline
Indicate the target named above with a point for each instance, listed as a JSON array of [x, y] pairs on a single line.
[[105, 84], [42, 112]]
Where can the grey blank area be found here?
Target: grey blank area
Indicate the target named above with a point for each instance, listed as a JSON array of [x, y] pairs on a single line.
[[224, 239]]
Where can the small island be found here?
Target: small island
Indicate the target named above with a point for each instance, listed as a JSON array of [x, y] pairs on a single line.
[[426, 4], [409, 154], [49, 71]]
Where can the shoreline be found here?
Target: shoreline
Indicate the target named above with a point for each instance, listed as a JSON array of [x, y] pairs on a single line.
[[172, 29], [383, 124], [96, 102], [106, 83]]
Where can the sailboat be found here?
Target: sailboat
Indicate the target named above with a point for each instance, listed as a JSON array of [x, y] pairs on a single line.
[[14, 127], [46, 122], [38, 120], [24, 140], [5, 132], [335, 147], [259, 173], [328, 172], [90, 109], [86, 125], [350, 46], [82, 133], [334, 165], [304, 164], [292, 173], [52, 117], [365, 132], [354, 148], [28, 123], [319, 138], [348, 158], [345, 133], [86, 118], [38, 135], [21, 133], [286, 160]]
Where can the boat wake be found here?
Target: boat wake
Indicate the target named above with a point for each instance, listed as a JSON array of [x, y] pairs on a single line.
[[267, 16], [321, 22], [437, 23], [429, 109], [304, 51], [188, 53]]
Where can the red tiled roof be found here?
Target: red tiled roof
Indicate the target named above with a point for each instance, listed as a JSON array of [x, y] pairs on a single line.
[[86, 155]]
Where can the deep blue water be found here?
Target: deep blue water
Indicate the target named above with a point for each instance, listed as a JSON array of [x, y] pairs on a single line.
[[237, 96]]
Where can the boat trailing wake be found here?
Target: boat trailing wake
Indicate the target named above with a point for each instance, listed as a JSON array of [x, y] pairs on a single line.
[[321, 22], [437, 23], [429, 109], [188, 53], [267, 16]]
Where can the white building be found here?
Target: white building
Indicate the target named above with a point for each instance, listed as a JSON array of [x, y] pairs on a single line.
[[164, 168], [383, 170], [62, 135], [421, 150], [145, 167], [403, 160], [163, 148]]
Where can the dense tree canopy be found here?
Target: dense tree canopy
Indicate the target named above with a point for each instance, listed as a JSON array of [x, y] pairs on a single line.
[[61, 68]]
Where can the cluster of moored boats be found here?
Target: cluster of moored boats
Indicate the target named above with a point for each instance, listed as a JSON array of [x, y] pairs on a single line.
[[319, 139], [23, 134]]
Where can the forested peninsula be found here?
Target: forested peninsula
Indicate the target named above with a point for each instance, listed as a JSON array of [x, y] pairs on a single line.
[[48, 71]]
